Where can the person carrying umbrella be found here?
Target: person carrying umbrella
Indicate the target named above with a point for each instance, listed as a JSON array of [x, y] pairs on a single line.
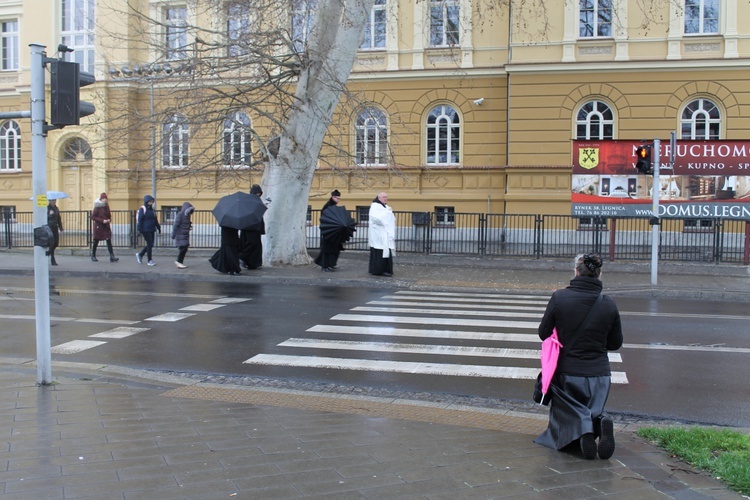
[[251, 244], [54, 221], [329, 249], [581, 383], [235, 212]]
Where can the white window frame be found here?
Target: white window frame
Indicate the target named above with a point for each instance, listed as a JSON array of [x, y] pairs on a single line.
[[302, 19], [696, 20], [175, 142], [10, 147], [237, 141], [700, 113], [596, 117], [447, 123], [175, 32], [238, 26], [77, 30], [9, 45], [371, 137], [375, 39], [447, 12], [597, 25]]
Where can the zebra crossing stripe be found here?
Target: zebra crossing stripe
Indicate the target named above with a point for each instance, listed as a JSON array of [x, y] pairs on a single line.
[[485, 307], [426, 320], [437, 350], [462, 300], [468, 294], [415, 332], [373, 365], [452, 312]]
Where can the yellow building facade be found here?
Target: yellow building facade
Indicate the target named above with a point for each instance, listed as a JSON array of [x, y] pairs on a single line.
[[453, 105]]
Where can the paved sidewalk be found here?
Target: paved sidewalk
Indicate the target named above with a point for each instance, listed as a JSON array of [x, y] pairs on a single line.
[[110, 432]]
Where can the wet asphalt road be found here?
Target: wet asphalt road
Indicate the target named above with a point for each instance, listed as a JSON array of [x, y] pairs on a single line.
[[684, 359]]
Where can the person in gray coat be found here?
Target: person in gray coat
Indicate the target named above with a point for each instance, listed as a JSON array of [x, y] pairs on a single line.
[[181, 232]]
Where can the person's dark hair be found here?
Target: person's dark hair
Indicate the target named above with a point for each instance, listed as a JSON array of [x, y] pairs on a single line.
[[589, 264]]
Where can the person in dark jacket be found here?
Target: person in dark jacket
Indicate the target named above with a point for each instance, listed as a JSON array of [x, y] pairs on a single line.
[[54, 221], [181, 232], [329, 250], [147, 224], [227, 258], [251, 244], [102, 218], [581, 383]]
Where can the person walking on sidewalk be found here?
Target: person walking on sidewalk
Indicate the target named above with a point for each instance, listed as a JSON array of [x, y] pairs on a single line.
[[329, 250], [147, 225], [181, 232], [581, 383], [251, 243], [102, 218], [54, 221], [381, 236]]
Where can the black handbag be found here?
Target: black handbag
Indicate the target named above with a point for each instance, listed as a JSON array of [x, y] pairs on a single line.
[[537, 394]]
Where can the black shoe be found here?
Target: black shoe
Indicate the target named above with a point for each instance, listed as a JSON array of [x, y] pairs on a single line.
[[606, 438], [53, 263], [112, 258], [93, 257], [588, 446], [327, 269], [388, 275]]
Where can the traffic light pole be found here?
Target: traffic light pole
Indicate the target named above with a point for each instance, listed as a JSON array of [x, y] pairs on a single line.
[[656, 187], [39, 182]]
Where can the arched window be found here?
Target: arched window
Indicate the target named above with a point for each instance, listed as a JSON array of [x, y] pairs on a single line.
[[443, 136], [175, 142], [10, 146], [595, 120], [701, 119], [237, 141], [371, 137], [76, 150]]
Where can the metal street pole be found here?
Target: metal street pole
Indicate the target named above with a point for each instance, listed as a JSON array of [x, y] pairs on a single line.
[[655, 217], [39, 181], [153, 142]]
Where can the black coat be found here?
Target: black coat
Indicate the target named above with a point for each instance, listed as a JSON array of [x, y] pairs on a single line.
[[566, 310]]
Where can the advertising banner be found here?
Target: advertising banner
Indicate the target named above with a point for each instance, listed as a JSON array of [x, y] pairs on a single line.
[[709, 179]]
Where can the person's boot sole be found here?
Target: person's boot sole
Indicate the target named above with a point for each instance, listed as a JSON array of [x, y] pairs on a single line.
[[588, 446], [606, 438]]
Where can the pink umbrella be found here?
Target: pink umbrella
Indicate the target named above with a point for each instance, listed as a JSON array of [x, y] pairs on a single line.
[[550, 353]]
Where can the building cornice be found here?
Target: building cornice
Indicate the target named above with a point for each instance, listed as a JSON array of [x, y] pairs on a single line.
[[630, 66]]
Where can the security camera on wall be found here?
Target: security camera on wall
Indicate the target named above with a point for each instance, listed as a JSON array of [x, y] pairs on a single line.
[[479, 101]]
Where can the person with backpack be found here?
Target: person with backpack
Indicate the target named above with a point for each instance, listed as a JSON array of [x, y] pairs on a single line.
[[147, 224]]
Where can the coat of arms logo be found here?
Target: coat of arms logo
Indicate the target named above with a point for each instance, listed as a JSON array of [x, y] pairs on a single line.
[[588, 158]]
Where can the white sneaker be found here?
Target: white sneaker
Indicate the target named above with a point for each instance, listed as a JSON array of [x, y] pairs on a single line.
[[180, 265], [151, 263], [138, 258]]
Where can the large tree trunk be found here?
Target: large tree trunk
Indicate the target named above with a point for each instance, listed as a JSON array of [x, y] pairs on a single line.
[[328, 61]]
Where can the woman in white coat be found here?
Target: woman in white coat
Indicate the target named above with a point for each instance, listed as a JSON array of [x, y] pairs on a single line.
[[381, 236]]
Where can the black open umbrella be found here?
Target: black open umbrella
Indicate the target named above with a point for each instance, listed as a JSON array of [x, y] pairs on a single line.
[[239, 210], [336, 225]]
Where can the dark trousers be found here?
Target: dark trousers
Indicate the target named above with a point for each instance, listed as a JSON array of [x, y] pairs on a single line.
[[149, 237], [55, 243], [109, 248], [181, 255]]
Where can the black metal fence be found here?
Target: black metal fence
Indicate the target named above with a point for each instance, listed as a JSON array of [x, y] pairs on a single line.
[[496, 235]]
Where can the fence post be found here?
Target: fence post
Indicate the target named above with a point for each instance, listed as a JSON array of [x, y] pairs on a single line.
[[538, 235], [718, 240], [612, 238], [482, 234], [6, 226], [746, 252]]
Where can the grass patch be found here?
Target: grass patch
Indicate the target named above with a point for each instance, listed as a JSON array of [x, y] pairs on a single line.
[[724, 453]]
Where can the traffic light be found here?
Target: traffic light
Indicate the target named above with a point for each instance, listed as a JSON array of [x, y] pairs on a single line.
[[66, 107], [643, 163]]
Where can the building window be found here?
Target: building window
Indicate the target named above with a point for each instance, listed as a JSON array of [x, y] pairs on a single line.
[[238, 29], [375, 27], [168, 213], [10, 45], [595, 121], [237, 141], [595, 18], [303, 15], [443, 136], [78, 31], [701, 16], [175, 26], [363, 215], [445, 216], [371, 137], [701, 119], [592, 223], [76, 150], [10, 147], [444, 22], [7, 213], [175, 136]]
